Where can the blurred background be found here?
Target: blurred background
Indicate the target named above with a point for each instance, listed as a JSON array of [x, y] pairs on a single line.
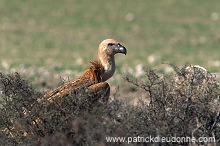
[[47, 39]]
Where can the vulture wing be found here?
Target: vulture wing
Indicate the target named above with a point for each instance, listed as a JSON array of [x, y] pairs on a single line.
[[90, 77]]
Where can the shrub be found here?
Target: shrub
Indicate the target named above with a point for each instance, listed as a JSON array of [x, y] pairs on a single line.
[[182, 105]]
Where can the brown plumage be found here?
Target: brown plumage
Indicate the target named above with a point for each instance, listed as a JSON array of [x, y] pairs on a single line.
[[94, 77]]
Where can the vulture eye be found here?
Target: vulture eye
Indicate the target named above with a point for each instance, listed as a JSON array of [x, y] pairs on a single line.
[[111, 44]]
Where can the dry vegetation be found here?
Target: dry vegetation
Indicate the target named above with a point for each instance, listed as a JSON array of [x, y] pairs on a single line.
[[185, 104]]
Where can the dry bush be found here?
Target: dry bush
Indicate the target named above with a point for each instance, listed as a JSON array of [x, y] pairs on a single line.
[[24, 120], [183, 105]]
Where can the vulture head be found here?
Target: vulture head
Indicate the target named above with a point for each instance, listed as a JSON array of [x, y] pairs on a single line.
[[106, 51], [110, 47]]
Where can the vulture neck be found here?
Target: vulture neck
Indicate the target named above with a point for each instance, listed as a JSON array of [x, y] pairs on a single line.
[[108, 63]]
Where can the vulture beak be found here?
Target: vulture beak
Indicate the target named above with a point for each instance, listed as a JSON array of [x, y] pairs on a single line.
[[120, 49]]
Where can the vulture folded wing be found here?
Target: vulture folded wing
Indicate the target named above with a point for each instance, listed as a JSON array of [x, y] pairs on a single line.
[[91, 76]]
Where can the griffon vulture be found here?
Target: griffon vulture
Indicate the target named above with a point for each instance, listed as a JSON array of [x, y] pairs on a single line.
[[94, 77]]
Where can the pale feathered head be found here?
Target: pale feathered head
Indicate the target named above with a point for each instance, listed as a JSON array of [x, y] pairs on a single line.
[[111, 47]]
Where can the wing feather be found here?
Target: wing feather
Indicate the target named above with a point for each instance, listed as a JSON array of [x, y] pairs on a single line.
[[91, 76]]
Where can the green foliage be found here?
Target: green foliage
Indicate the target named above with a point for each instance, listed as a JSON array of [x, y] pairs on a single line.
[[184, 105]]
